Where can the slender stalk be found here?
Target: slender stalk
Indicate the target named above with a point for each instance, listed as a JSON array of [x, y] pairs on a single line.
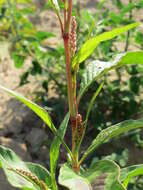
[[72, 109], [88, 112], [128, 33], [61, 24], [65, 13], [83, 158], [68, 75], [71, 86], [69, 16]]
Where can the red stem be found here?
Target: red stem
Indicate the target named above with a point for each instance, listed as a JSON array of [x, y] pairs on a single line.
[[68, 75], [69, 16], [71, 83]]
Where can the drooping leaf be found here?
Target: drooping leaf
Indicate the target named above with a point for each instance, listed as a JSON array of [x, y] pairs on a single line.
[[104, 174], [90, 45], [42, 113], [54, 150], [97, 69], [130, 172], [112, 132], [15, 168], [71, 180]]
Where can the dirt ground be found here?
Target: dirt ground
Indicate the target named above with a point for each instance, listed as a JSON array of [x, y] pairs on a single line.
[[20, 129]]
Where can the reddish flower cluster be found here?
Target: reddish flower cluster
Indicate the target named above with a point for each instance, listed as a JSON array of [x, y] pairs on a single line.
[[73, 44]]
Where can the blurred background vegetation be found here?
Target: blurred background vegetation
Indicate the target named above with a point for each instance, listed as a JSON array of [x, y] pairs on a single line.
[[27, 27]]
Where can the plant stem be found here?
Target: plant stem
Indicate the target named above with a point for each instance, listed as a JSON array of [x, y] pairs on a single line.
[[69, 16], [128, 33], [68, 74], [71, 85]]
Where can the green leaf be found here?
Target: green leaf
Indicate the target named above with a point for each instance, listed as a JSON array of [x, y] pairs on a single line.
[[111, 132], [18, 60], [130, 172], [54, 150], [72, 180], [97, 69], [54, 4], [42, 113], [102, 175], [93, 100], [105, 175], [11, 164], [90, 45], [41, 172]]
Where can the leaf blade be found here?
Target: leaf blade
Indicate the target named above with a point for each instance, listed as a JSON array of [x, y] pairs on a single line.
[[11, 162], [111, 132], [90, 45], [42, 113], [130, 172], [97, 69], [71, 180], [104, 174], [54, 149]]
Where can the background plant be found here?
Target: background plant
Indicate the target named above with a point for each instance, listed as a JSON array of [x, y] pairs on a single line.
[[95, 72]]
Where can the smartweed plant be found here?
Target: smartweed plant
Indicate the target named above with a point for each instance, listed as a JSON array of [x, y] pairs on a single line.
[[104, 174]]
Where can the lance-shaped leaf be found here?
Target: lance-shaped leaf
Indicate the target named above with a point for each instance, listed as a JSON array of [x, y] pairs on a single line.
[[130, 172], [42, 113], [112, 132], [54, 150], [104, 174], [97, 69], [21, 174], [90, 45]]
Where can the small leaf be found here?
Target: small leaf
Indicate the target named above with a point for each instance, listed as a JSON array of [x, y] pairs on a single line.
[[97, 69], [112, 132], [54, 150], [11, 163], [18, 60], [72, 180], [90, 45], [42, 113], [130, 172]]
